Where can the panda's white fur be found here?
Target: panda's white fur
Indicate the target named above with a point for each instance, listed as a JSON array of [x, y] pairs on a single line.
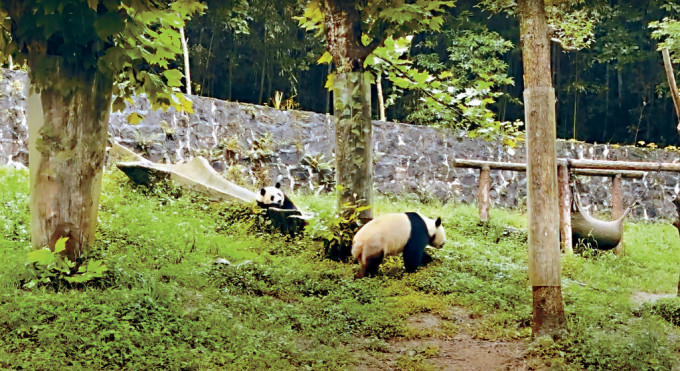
[[274, 197], [388, 235], [271, 196]]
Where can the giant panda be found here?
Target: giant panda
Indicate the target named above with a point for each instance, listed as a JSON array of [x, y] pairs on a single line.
[[391, 234], [274, 197]]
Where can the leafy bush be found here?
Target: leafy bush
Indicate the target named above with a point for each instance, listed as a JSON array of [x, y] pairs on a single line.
[[337, 231], [667, 308], [54, 268]]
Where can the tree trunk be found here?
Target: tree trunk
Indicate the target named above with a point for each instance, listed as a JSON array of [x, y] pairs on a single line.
[[539, 112], [264, 65], [352, 107], [185, 51], [67, 142], [670, 76], [381, 98], [353, 140]]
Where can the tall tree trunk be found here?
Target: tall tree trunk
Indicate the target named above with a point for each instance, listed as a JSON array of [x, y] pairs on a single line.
[[353, 140], [263, 73], [670, 76], [381, 98], [606, 105], [67, 142], [352, 106], [185, 51], [539, 112]]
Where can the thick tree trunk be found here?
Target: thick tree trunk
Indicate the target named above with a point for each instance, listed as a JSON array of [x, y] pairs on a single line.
[[353, 140], [539, 112], [67, 140], [351, 105]]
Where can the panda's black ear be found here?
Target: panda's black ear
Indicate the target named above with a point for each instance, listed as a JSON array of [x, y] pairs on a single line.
[[262, 191], [438, 222], [278, 185]]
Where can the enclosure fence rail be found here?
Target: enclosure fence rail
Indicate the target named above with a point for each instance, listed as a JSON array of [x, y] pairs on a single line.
[[617, 170]]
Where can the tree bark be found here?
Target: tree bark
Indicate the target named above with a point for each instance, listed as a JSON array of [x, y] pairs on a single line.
[[670, 76], [381, 98], [67, 142], [353, 141], [352, 107], [539, 112]]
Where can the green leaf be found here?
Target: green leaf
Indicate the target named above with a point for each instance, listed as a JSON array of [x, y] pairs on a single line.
[[326, 58], [173, 76], [109, 24], [134, 118], [60, 245], [42, 256]]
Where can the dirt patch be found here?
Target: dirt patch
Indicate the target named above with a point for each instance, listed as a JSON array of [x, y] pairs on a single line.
[[443, 341], [640, 297]]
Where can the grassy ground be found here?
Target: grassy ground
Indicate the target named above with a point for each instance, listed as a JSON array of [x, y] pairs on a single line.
[[164, 303]]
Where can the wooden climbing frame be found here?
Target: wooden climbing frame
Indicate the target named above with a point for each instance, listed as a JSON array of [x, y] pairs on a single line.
[[614, 169]]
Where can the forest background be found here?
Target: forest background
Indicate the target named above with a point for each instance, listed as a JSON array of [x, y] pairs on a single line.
[[608, 74]]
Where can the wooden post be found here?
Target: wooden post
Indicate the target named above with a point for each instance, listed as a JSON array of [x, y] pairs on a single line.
[[565, 208], [539, 117], [617, 208], [483, 193], [668, 66]]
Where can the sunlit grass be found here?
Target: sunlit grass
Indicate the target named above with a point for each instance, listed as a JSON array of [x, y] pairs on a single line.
[[281, 305]]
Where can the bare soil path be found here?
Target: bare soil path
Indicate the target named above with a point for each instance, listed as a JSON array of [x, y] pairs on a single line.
[[446, 342]]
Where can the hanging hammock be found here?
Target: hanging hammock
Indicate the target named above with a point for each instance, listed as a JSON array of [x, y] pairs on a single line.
[[600, 234]]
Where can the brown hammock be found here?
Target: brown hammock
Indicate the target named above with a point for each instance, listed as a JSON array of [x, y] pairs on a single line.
[[599, 234]]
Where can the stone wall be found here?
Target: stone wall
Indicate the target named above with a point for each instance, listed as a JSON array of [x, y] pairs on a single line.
[[256, 145]]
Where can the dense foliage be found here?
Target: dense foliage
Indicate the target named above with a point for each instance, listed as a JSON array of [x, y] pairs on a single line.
[[164, 302], [608, 72], [132, 43]]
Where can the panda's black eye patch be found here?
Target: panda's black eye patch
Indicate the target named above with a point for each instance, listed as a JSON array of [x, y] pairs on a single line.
[[272, 198]]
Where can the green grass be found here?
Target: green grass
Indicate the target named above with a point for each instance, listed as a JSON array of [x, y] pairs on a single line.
[[281, 305]]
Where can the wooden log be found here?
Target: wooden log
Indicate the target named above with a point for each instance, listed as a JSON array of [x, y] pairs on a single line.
[[597, 168], [668, 66], [624, 165], [497, 165], [539, 117], [604, 172], [565, 208], [483, 193], [617, 208]]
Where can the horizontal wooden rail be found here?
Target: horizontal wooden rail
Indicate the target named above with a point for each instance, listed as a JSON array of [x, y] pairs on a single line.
[[580, 167]]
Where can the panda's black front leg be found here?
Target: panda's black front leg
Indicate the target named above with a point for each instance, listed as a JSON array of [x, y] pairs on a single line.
[[427, 259]]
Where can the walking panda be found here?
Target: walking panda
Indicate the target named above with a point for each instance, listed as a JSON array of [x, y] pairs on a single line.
[[391, 234], [274, 197]]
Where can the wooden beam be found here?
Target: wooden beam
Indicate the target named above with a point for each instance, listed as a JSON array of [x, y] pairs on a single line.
[[565, 208], [483, 193], [594, 171], [617, 208], [624, 165]]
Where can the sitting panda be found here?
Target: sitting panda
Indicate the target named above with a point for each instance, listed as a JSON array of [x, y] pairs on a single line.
[[391, 234], [274, 197]]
